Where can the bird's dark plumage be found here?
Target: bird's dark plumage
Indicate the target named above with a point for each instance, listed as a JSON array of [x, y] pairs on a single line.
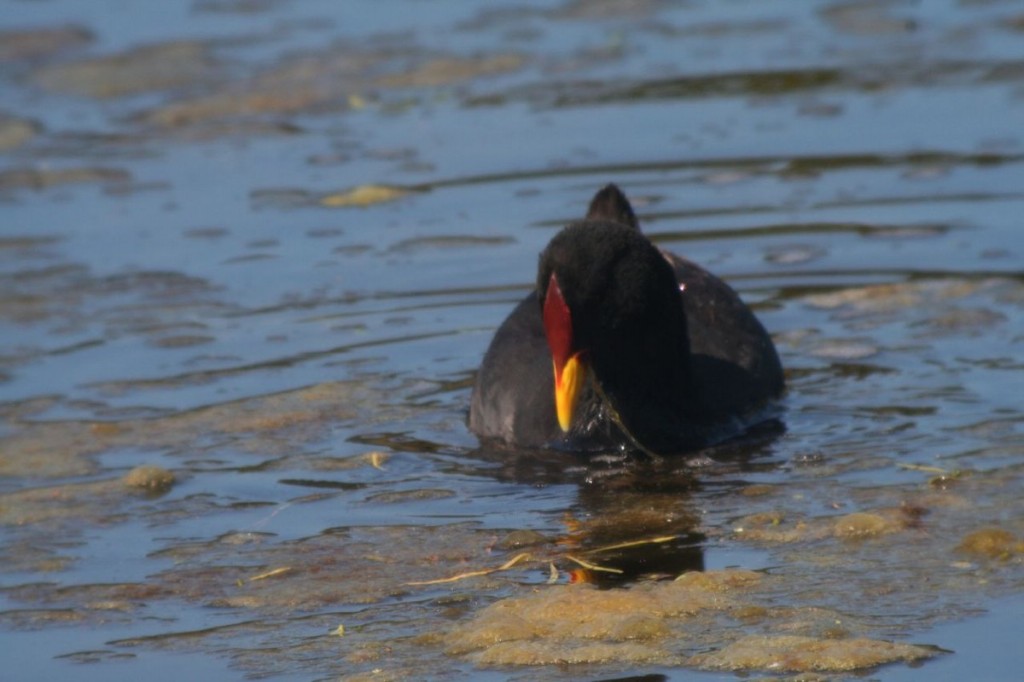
[[671, 356]]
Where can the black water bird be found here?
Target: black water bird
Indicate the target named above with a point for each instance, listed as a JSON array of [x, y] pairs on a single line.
[[623, 346]]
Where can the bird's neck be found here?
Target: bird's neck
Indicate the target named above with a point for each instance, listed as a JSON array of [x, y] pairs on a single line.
[[653, 396]]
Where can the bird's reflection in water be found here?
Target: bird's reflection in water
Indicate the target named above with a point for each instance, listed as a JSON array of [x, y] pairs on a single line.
[[634, 517]]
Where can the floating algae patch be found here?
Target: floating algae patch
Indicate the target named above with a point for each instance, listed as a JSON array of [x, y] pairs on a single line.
[[150, 478], [447, 70], [282, 421], [992, 543], [90, 601], [886, 298], [968, 321], [144, 69], [866, 524], [333, 78], [792, 654], [15, 131], [668, 624], [414, 495], [30, 556], [781, 527], [70, 504], [359, 565], [363, 195], [50, 451], [34, 43], [43, 178], [653, 622], [418, 244]]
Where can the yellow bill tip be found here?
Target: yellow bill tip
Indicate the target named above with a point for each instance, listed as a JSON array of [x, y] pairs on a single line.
[[567, 389]]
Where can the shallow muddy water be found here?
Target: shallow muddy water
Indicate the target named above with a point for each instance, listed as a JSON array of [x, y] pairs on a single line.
[[252, 252]]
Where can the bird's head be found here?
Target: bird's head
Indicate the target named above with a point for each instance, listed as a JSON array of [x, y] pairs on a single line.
[[612, 315]]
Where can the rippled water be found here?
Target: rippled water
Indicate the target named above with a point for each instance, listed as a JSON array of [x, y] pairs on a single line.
[[189, 281]]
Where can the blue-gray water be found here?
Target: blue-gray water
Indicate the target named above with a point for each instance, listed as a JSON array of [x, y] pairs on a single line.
[[180, 287]]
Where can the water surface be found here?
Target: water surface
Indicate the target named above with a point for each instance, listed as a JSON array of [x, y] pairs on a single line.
[[263, 245]]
